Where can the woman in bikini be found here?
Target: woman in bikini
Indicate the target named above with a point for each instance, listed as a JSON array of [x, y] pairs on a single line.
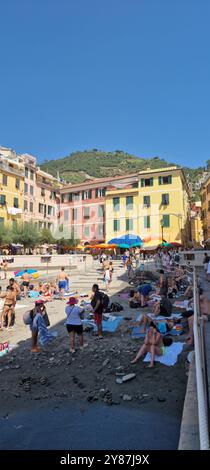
[[153, 343]]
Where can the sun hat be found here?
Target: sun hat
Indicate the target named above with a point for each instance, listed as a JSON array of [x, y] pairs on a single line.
[[39, 302], [72, 301]]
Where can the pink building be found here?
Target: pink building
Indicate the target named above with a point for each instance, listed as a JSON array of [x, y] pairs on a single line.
[[82, 208]]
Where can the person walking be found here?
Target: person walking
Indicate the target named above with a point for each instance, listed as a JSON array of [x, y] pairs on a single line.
[[97, 305], [63, 281], [75, 314]]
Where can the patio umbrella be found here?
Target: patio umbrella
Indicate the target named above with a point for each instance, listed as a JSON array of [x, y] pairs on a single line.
[[176, 244], [128, 239], [20, 273], [124, 245], [165, 245], [137, 244]]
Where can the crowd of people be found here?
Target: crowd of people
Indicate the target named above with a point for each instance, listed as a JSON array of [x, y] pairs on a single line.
[[172, 282]]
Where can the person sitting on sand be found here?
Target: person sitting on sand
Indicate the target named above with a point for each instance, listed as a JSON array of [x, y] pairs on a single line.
[[146, 321], [163, 307], [153, 343], [48, 294]]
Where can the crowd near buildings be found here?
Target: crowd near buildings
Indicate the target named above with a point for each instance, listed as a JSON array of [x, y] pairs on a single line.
[[154, 203]]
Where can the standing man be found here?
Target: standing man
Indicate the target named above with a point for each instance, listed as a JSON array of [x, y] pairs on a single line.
[[5, 268], [97, 305], [63, 281], [26, 282]]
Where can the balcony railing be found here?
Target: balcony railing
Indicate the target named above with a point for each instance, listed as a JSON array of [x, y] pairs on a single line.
[[10, 169]]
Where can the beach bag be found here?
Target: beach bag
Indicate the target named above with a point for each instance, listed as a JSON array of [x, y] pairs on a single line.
[[28, 317], [116, 307], [134, 304]]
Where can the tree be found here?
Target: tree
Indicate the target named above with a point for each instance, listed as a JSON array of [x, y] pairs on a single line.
[[5, 236], [47, 237], [26, 234]]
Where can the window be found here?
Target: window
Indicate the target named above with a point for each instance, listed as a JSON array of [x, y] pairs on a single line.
[[17, 183], [4, 180], [31, 207], [100, 230], [100, 211], [70, 197], [129, 224], [26, 172], [53, 195], [41, 208], [166, 220], [2, 200], [146, 201], [86, 212], [1, 221], [116, 204], [129, 203], [87, 194], [32, 175], [16, 202], [31, 190], [100, 192], [165, 179], [42, 192], [86, 231], [25, 188], [135, 185], [66, 215], [25, 205], [50, 210], [74, 214], [76, 197], [62, 197], [116, 225], [146, 182], [165, 200], [146, 221]]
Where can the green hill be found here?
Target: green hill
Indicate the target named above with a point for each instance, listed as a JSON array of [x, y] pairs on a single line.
[[80, 166]]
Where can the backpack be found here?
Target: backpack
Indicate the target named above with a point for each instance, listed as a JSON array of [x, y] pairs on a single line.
[[116, 307], [134, 304], [105, 301]]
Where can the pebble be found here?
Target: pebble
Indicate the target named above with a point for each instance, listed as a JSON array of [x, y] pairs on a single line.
[[128, 377], [119, 380], [127, 397], [105, 362]]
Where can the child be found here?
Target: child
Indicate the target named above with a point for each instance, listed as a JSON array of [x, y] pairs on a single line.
[[74, 323], [107, 278]]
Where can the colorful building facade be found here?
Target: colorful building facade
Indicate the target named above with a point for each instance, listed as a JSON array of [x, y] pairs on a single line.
[[11, 188], [157, 208], [205, 208]]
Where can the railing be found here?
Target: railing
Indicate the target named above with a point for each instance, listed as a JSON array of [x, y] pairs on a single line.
[[201, 372]]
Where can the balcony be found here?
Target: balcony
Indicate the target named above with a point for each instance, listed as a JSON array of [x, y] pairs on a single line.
[[11, 169]]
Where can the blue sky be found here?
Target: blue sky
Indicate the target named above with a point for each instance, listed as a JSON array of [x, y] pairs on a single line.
[[108, 74]]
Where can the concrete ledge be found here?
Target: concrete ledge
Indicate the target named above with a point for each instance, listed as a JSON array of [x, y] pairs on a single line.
[[189, 432]]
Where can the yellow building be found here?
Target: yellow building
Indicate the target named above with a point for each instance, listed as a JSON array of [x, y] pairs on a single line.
[[205, 208], [11, 189], [156, 207]]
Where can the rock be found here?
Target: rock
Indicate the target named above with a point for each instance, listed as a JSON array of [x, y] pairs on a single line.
[[119, 380], [128, 377], [51, 359], [127, 397], [161, 399], [105, 362], [120, 369]]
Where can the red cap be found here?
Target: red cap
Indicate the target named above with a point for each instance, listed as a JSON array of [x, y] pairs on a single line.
[[72, 301]]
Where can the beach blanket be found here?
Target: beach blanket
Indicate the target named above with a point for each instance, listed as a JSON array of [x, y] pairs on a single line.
[[110, 325], [181, 304], [170, 357], [124, 295], [136, 331]]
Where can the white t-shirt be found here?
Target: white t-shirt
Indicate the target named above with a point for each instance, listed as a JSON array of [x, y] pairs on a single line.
[[73, 313]]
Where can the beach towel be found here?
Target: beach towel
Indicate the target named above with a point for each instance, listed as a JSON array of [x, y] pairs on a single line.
[[109, 325], [170, 357], [33, 294]]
